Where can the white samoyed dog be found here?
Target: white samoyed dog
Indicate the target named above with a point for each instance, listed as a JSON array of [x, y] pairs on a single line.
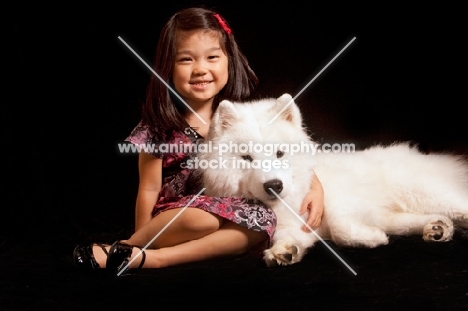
[[259, 151]]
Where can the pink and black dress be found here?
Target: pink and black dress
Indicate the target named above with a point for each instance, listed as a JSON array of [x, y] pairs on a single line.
[[178, 189]]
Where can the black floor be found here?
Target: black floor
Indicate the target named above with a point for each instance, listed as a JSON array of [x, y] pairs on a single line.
[[38, 274]]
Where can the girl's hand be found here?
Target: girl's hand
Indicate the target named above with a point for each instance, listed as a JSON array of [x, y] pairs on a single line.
[[313, 202]]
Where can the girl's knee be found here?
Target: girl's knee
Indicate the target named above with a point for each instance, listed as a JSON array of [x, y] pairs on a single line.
[[198, 220]]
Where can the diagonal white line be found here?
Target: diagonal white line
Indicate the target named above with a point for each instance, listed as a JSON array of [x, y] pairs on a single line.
[[164, 82], [313, 231], [313, 79], [162, 230]]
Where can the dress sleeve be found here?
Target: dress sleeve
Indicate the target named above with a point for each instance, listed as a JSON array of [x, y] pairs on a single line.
[[146, 139]]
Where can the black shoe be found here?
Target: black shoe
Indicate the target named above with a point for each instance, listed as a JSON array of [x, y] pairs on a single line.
[[83, 257], [119, 255]]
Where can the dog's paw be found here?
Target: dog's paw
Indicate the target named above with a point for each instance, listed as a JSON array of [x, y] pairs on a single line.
[[282, 254], [438, 230]]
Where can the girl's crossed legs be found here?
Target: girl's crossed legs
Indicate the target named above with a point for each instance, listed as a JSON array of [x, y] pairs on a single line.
[[194, 235]]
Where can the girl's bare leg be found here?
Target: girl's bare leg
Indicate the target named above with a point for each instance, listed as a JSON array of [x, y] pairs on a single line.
[[230, 239], [190, 224], [193, 235]]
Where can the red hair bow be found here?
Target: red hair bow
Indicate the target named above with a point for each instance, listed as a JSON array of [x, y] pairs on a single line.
[[223, 24]]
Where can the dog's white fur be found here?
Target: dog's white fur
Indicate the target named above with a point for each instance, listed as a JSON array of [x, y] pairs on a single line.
[[369, 194]]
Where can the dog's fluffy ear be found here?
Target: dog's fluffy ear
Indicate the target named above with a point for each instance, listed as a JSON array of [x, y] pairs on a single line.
[[289, 110], [224, 117]]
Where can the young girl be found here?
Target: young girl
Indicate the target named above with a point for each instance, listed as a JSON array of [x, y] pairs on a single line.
[[199, 58]]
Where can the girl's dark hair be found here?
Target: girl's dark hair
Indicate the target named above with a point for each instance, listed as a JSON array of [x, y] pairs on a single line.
[[161, 108]]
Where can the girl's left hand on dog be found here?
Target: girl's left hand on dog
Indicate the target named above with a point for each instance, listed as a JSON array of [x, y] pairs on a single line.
[[313, 202]]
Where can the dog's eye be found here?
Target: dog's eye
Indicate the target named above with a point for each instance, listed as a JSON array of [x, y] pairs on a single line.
[[279, 154], [247, 158]]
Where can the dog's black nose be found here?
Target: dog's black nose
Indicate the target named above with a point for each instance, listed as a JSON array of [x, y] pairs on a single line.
[[276, 185]]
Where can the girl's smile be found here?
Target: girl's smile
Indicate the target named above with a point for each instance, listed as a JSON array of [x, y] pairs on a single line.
[[200, 85]]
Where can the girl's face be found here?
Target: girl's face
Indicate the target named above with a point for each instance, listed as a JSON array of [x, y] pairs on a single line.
[[201, 67]]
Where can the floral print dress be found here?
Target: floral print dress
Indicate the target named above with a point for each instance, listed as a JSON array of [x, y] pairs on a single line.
[[179, 190]]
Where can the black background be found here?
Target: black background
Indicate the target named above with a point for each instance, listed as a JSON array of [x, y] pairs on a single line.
[[73, 92]]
